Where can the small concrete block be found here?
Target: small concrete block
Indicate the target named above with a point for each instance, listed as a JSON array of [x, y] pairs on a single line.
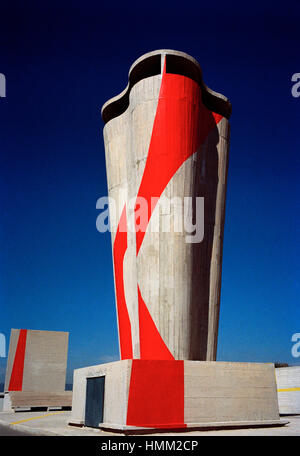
[[208, 394]]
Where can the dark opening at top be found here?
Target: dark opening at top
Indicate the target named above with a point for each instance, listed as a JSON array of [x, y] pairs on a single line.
[[175, 64]]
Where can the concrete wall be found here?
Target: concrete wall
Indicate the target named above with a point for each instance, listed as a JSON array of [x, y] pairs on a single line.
[[214, 393], [117, 377], [288, 387], [223, 391], [127, 139], [13, 341], [43, 363], [179, 282]]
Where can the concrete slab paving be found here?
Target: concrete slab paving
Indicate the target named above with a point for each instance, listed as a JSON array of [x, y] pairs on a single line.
[[44, 423], [56, 423]]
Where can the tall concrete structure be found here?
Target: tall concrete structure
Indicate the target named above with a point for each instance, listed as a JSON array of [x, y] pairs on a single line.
[[36, 369], [166, 143], [167, 135]]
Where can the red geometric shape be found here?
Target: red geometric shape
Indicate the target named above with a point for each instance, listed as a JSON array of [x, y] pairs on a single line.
[[181, 125], [119, 249], [16, 378], [152, 345], [156, 394]]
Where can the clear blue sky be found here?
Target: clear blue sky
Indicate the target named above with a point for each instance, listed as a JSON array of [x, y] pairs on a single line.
[[62, 61]]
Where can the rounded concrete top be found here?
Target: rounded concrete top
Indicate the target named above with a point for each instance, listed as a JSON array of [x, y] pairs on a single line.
[[150, 64]]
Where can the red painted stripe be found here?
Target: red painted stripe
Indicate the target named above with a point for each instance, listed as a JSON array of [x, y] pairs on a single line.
[[181, 125], [152, 345], [16, 378], [156, 394], [119, 249]]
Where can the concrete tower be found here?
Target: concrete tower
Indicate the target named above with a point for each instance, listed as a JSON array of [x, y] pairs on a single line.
[[166, 144], [167, 135]]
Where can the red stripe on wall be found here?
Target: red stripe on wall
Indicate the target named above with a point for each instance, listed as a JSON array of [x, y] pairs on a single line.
[[156, 394], [119, 249], [181, 125], [16, 378], [152, 345]]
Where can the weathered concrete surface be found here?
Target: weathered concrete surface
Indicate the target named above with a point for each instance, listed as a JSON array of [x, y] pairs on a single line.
[[13, 341], [228, 392], [45, 361], [117, 377], [288, 387], [179, 282], [36, 369], [127, 139], [40, 424]]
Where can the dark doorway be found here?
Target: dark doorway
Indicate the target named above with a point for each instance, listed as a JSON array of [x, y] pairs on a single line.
[[94, 401]]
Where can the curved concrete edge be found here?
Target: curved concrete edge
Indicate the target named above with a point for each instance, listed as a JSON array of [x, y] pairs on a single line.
[[28, 430], [207, 92]]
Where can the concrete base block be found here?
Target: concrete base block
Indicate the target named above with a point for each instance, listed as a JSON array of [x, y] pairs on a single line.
[[158, 394], [26, 400]]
